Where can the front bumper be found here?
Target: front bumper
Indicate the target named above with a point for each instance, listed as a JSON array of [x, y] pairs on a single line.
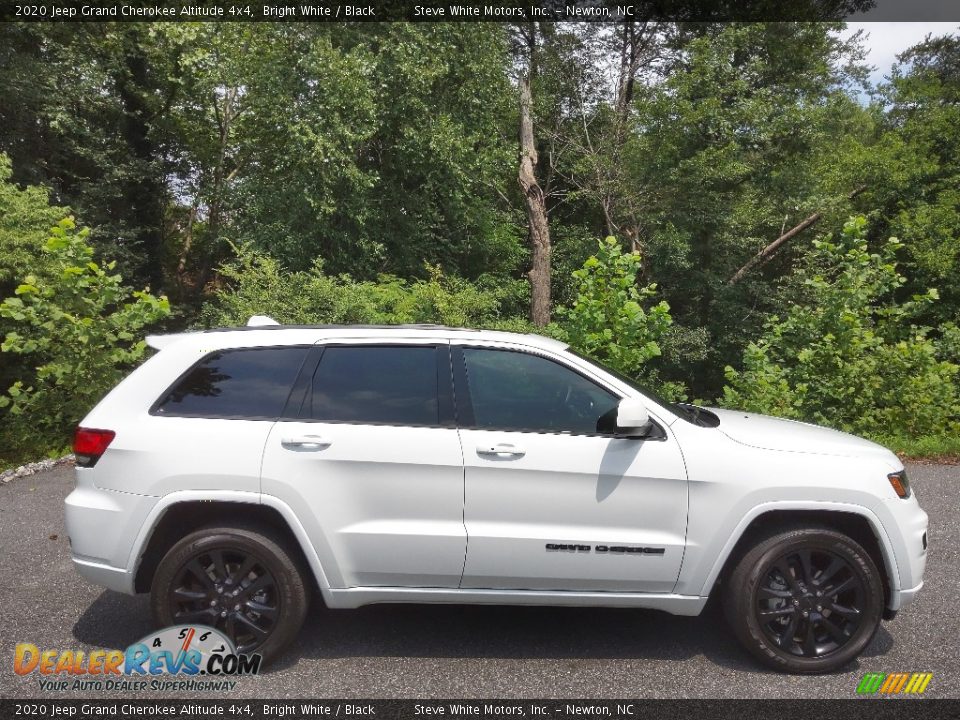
[[908, 535]]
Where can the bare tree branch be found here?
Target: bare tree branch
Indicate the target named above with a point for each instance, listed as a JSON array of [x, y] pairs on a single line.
[[770, 250]]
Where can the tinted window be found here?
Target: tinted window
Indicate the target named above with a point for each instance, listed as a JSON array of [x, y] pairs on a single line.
[[236, 383], [519, 391], [375, 384]]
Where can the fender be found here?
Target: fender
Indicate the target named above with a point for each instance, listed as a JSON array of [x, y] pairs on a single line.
[[249, 498], [889, 557]]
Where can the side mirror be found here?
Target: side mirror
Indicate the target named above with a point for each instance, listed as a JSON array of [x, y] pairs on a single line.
[[633, 418]]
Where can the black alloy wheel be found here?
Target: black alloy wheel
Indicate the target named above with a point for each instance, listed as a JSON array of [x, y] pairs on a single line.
[[246, 582], [230, 590], [810, 602], [804, 599]]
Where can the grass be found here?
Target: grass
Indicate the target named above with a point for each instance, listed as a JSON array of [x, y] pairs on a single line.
[[944, 448]]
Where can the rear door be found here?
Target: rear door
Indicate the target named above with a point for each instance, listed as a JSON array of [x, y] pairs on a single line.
[[370, 461], [552, 502]]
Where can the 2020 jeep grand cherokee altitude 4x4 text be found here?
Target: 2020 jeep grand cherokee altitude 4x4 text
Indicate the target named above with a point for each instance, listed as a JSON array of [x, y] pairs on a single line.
[[238, 469]]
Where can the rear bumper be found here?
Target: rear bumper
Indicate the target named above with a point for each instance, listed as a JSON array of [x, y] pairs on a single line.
[[117, 579], [103, 526]]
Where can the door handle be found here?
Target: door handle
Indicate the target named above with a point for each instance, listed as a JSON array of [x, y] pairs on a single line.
[[309, 442], [500, 449]]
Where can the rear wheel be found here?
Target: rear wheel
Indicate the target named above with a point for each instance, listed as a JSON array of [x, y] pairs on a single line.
[[805, 601], [241, 581]]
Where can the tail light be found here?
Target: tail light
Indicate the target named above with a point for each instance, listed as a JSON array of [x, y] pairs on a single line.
[[90, 444]]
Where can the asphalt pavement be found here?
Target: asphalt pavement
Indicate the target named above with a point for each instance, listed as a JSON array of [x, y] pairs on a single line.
[[410, 651]]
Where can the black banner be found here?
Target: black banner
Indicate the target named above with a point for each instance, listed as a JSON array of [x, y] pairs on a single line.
[[475, 10], [479, 709]]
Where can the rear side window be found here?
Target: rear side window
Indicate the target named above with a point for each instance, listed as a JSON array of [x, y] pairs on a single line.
[[373, 384], [248, 383]]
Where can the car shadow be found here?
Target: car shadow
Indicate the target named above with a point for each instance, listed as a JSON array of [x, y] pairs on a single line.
[[115, 621]]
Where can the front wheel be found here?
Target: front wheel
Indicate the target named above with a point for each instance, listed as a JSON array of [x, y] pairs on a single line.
[[807, 600], [241, 581]]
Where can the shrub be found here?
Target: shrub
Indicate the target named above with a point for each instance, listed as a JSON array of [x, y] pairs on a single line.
[[79, 330], [849, 356], [608, 320], [257, 284]]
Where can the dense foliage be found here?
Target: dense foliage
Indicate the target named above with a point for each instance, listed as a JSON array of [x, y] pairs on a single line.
[[848, 356], [608, 320], [368, 173], [78, 330]]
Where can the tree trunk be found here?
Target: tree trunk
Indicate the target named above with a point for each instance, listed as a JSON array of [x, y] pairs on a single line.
[[146, 191], [537, 223]]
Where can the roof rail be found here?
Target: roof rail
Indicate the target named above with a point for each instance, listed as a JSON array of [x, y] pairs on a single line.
[[261, 321]]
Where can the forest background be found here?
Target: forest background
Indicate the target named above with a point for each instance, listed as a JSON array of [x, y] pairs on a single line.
[[731, 212]]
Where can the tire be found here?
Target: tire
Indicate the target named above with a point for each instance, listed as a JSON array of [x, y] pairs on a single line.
[[267, 584], [772, 605]]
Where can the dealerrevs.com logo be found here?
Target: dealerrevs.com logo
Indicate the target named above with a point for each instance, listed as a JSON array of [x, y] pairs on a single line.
[[174, 658], [894, 683]]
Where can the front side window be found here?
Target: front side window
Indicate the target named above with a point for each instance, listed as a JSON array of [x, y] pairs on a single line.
[[246, 383], [384, 385], [518, 391]]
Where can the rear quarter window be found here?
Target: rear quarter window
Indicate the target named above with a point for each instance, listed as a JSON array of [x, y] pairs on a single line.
[[242, 383]]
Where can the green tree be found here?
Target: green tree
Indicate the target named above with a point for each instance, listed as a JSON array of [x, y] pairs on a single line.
[[80, 331], [608, 320], [25, 219], [87, 111], [738, 144], [849, 356]]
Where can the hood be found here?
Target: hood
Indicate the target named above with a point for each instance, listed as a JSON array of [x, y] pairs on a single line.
[[770, 433]]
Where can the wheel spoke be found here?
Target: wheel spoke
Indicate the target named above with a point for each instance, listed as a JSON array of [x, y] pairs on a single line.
[[842, 587], [259, 584], [245, 567], [186, 595], [198, 571], [805, 567], [260, 608], [847, 612], [257, 630], [768, 592], [809, 639], [786, 638], [784, 569], [834, 630], [832, 569], [779, 612], [219, 566]]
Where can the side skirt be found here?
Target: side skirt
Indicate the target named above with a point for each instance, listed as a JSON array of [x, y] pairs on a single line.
[[356, 597]]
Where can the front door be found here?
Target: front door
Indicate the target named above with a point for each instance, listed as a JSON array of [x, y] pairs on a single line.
[[551, 503], [372, 466]]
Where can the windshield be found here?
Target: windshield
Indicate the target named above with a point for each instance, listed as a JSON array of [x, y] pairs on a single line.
[[683, 410]]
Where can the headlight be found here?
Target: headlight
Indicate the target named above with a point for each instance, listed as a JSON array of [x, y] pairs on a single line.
[[900, 483]]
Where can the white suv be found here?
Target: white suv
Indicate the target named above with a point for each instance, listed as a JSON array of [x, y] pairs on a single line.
[[239, 469]]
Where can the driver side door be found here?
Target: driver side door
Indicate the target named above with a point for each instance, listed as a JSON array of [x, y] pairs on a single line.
[[551, 501]]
